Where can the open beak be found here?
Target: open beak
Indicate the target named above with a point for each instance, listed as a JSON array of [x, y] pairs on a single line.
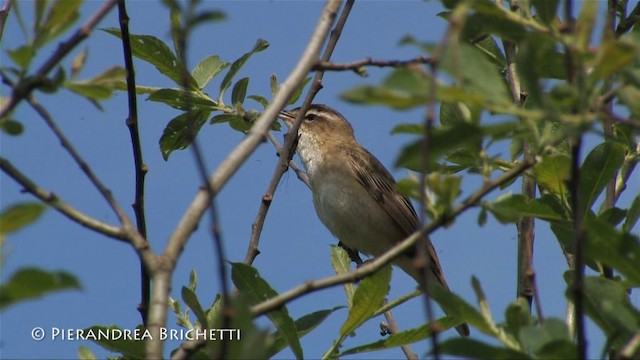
[[287, 117]]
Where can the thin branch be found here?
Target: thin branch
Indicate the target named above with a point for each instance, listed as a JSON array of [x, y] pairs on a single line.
[[301, 174], [456, 22], [575, 77], [531, 275], [4, 12], [75, 155], [286, 151], [632, 348], [392, 328], [24, 88], [607, 125], [627, 23], [62, 207], [374, 265], [137, 240], [359, 64], [526, 224], [259, 130], [256, 229], [140, 168]]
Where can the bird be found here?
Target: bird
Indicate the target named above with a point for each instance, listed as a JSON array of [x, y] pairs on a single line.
[[354, 195]]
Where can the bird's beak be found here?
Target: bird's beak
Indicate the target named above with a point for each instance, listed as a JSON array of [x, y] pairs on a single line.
[[287, 117]]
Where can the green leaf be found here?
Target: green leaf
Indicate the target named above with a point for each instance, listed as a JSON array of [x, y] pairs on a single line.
[[60, 17], [607, 304], [613, 248], [511, 207], [538, 59], [207, 69], [183, 100], [84, 353], [127, 347], [78, 63], [630, 96], [239, 91], [598, 169], [181, 131], [22, 55], [535, 337], [259, 99], [298, 91], [223, 118], [402, 338], [451, 138], [260, 45], [256, 289], [517, 316], [613, 55], [342, 265], [154, 51], [553, 172], [455, 306], [190, 299], [475, 73], [633, 214], [585, 23], [19, 215], [32, 283], [304, 325], [369, 296], [470, 348], [11, 127], [546, 9], [404, 88], [100, 87]]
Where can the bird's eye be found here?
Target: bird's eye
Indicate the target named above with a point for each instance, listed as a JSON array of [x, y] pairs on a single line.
[[310, 117]]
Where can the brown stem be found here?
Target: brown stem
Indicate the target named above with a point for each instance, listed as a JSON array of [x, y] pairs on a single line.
[[140, 168]]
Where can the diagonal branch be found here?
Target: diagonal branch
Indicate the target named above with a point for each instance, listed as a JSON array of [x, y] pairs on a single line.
[[62, 207], [286, 151], [359, 64], [372, 266], [239, 155]]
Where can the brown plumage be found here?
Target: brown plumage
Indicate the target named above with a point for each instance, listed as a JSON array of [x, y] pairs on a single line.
[[354, 194]]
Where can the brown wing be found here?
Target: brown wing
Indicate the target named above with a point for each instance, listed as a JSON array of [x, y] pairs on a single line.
[[381, 185]]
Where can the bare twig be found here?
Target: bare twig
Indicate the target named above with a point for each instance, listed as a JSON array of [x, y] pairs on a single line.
[[526, 224], [357, 65], [238, 156], [140, 168], [23, 89], [4, 12], [286, 151], [607, 125], [252, 250], [302, 176], [193, 214], [128, 230], [65, 209], [392, 328], [535, 294], [575, 77], [456, 22]]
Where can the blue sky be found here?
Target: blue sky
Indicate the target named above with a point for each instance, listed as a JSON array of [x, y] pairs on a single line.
[[294, 244]]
